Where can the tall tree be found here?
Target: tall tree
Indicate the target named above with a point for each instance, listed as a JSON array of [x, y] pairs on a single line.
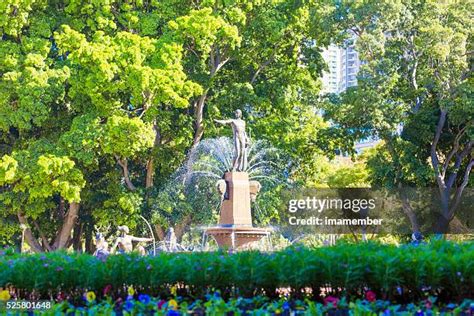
[[414, 91]]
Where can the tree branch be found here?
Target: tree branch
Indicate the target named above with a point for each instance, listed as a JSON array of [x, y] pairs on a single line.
[[460, 189], [453, 151], [30, 239], [459, 159], [198, 117], [43, 237], [434, 155], [261, 67], [124, 164], [64, 234]]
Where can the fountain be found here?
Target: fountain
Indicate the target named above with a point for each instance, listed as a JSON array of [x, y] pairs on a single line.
[[235, 230], [212, 165]]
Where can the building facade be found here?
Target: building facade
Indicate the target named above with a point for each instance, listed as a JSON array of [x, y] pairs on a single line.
[[343, 66]]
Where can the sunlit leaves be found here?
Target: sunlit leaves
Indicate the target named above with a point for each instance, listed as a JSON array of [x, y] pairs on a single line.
[[14, 14], [204, 29], [8, 168], [126, 137], [126, 71], [28, 84], [39, 178]]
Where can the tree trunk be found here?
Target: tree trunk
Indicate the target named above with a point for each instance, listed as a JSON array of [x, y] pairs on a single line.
[[76, 237], [89, 232], [442, 225], [150, 165], [181, 227], [408, 210], [44, 240], [149, 173], [69, 220], [30, 239], [198, 119], [160, 233]]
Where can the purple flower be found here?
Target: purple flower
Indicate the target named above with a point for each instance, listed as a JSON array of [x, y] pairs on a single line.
[[148, 267], [59, 269], [45, 265], [173, 313]]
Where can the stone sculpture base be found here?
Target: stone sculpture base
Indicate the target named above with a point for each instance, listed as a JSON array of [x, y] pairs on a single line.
[[237, 237], [235, 223]]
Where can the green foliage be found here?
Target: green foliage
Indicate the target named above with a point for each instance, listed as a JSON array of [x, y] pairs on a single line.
[[37, 179], [440, 265], [386, 169], [29, 85], [15, 14], [414, 66], [214, 30], [340, 172], [126, 137]]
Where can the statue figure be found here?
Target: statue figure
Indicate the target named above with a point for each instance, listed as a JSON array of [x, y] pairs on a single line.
[[221, 187], [124, 242], [102, 247], [170, 240], [241, 141]]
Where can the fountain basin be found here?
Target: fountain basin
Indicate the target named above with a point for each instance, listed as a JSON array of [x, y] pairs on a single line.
[[236, 237]]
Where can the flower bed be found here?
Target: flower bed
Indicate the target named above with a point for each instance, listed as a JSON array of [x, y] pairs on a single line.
[[400, 274], [214, 305]]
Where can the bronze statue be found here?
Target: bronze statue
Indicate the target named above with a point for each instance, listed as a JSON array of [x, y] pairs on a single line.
[[241, 141]]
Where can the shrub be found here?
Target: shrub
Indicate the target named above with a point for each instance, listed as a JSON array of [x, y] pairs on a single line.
[[443, 268]]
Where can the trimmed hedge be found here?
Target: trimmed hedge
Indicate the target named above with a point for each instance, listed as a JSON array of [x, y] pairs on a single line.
[[444, 268]]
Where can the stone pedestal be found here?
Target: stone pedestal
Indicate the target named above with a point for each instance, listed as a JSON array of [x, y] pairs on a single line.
[[235, 208], [235, 223]]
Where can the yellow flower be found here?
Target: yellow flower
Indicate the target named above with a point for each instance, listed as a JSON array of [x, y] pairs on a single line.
[[131, 290], [173, 305], [174, 290], [90, 296], [4, 295]]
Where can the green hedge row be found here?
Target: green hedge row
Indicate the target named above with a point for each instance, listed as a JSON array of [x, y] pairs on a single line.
[[350, 268]]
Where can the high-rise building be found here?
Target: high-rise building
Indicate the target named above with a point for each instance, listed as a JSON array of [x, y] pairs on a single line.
[[350, 65], [332, 77], [343, 66]]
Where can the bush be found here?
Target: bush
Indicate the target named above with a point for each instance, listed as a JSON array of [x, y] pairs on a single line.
[[441, 268]]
